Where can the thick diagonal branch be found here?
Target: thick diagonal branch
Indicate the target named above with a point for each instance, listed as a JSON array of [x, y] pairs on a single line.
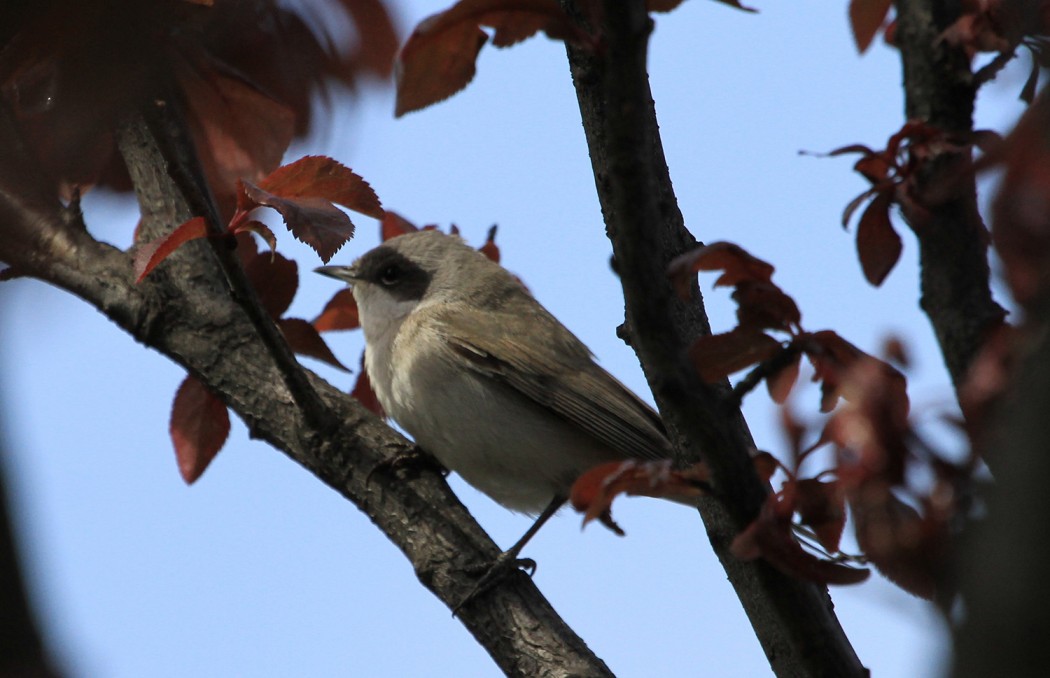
[[793, 619], [184, 312]]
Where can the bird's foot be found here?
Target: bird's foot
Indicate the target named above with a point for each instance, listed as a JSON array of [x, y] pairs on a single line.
[[491, 573], [415, 459]]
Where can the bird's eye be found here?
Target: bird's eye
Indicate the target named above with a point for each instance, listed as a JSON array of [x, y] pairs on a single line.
[[389, 276]]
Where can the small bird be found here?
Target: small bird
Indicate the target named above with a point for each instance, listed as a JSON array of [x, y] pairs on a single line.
[[485, 379]]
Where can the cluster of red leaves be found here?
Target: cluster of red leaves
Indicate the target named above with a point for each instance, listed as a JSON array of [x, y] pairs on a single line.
[[440, 57], [302, 192], [593, 492], [200, 422], [340, 313], [872, 436], [245, 71], [893, 173]]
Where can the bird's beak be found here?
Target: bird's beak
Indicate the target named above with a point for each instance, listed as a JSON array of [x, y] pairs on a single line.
[[347, 274]]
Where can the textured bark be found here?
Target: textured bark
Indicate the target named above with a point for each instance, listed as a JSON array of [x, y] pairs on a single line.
[[953, 241], [793, 620], [184, 311]]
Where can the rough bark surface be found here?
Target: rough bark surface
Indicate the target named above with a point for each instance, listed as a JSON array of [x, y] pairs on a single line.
[[953, 241], [184, 310], [793, 620]]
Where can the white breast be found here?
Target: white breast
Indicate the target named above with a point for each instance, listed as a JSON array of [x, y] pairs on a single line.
[[499, 441]]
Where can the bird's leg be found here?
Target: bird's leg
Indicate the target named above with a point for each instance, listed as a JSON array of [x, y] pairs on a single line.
[[509, 560]]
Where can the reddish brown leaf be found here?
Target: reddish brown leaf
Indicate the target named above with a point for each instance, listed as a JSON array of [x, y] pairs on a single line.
[[260, 229], [1019, 211], [781, 382], [241, 132], [490, 249], [668, 5], [439, 57], [852, 148], [734, 261], [876, 167], [304, 340], [318, 176], [822, 506], [512, 25], [662, 5], [364, 393], [314, 221], [845, 370], [247, 249], [989, 375], [377, 39], [340, 313], [737, 5], [275, 279], [716, 356], [199, 427], [436, 62], [394, 224], [763, 305], [909, 549], [878, 244], [149, 254], [765, 465], [894, 348], [593, 492], [793, 430], [865, 18], [847, 213], [769, 536]]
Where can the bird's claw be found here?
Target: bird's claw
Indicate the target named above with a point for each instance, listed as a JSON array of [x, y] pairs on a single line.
[[493, 572], [415, 458]]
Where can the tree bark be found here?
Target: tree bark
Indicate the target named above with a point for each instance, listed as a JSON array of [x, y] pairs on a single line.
[[793, 619], [953, 241], [184, 311]]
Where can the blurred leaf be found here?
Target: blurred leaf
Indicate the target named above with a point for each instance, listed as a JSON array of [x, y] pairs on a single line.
[[865, 18], [716, 356], [878, 244], [594, 491], [734, 261], [770, 537], [340, 313], [275, 279]]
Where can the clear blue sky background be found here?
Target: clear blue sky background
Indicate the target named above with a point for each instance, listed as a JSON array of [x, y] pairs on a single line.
[[259, 570]]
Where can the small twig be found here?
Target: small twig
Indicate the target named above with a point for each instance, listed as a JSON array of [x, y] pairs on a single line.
[[762, 371]]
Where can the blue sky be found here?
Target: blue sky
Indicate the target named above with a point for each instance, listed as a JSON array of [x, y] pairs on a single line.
[[259, 570]]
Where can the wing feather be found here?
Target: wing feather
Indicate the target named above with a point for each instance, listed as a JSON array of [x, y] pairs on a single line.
[[558, 374]]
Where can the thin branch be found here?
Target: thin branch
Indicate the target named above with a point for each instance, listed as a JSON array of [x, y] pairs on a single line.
[[793, 619]]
